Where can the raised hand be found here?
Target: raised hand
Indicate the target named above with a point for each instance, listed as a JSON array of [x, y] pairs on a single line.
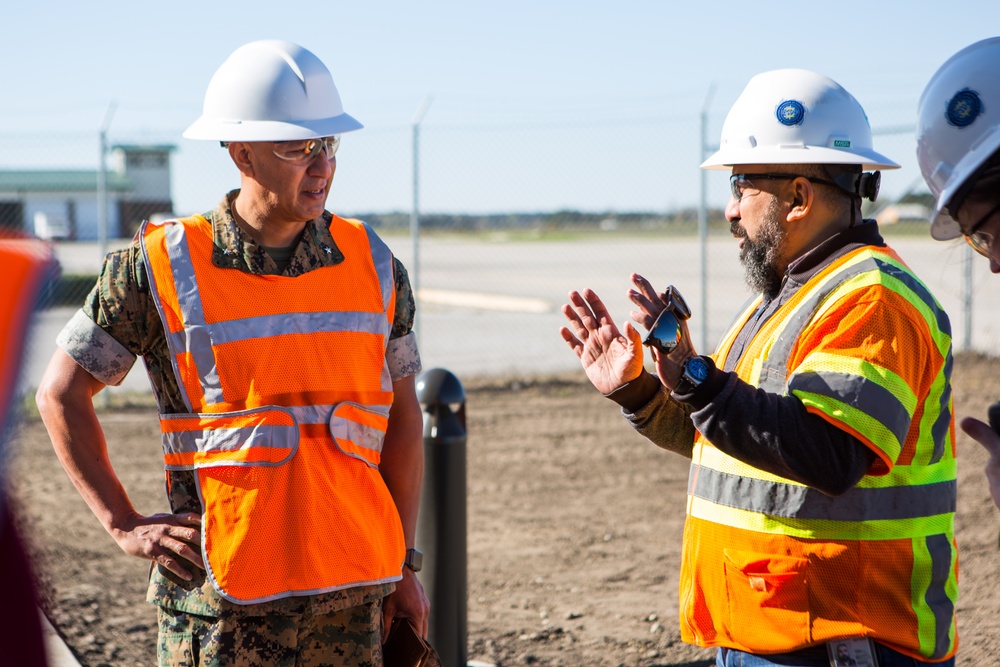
[[610, 358], [990, 440], [650, 304]]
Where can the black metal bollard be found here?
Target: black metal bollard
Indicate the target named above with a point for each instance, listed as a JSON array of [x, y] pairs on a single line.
[[441, 527]]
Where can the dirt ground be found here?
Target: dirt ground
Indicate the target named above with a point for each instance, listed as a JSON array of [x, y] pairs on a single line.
[[574, 530]]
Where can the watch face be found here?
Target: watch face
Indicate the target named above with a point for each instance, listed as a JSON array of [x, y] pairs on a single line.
[[697, 369]]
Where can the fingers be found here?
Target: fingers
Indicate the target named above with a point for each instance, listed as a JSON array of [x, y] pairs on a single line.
[[633, 335], [586, 313], [571, 340], [171, 564], [183, 548], [171, 540], [649, 302], [983, 434], [646, 291], [597, 306], [407, 601]]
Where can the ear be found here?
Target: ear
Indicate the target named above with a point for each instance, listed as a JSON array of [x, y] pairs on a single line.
[[802, 200], [242, 157]]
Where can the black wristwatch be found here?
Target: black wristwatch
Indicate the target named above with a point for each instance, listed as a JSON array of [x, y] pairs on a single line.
[[414, 559], [695, 371]]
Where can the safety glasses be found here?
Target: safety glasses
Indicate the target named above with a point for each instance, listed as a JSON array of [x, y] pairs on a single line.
[[666, 332], [981, 242], [740, 182], [305, 150]]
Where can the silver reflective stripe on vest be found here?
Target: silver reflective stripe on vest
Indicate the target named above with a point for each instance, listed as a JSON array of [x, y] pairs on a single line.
[[199, 336], [231, 439], [803, 502], [266, 326], [184, 279], [936, 597], [872, 398], [382, 259], [320, 414], [941, 430], [775, 367]]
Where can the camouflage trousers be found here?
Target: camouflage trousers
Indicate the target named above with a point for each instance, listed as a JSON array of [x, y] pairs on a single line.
[[347, 638]]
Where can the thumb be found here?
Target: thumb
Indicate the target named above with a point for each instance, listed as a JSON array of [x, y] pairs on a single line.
[[632, 334], [983, 434]]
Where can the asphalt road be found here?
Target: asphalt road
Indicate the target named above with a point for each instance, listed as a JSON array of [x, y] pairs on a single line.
[[491, 305]]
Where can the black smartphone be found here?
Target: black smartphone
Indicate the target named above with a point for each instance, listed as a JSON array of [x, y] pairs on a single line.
[[994, 416]]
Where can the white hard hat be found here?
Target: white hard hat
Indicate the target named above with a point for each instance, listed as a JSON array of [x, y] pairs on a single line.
[[794, 116], [958, 126], [271, 90]]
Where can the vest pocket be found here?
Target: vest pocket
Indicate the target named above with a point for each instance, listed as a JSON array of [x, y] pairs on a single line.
[[261, 436], [359, 431], [768, 600]]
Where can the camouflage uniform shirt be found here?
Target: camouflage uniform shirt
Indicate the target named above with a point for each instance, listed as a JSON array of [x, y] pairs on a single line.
[[119, 322]]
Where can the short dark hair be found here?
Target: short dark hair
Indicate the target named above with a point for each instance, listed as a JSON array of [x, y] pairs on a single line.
[[983, 186], [838, 199]]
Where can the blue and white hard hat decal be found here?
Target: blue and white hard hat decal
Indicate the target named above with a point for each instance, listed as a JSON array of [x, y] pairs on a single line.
[[963, 108], [790, 112]]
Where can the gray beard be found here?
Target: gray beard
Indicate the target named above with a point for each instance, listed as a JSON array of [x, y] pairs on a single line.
[[760, 258]]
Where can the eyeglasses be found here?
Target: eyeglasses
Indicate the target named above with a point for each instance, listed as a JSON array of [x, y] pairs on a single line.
[[740, 182], [305, 150], [666, 333], [981, 242]]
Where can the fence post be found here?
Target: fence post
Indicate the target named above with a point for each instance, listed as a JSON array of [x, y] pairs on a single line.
[[441, 527]]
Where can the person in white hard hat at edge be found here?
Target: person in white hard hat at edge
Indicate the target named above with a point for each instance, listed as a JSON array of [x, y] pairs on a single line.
[[278, 342], [958, 149], [822, 490]]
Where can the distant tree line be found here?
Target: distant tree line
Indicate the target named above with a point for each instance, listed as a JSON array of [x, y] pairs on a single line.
[[563, 220]]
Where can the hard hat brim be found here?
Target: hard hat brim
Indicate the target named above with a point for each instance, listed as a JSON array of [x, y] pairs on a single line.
[[944, 227], [269, 130], [727, 157]]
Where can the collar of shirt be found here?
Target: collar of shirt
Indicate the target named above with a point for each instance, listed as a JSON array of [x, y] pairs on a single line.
[[805, 267], [236, 250]]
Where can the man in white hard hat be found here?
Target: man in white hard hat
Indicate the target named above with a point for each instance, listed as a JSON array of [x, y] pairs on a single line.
[[822, 492], [278, 342], [958, 148]]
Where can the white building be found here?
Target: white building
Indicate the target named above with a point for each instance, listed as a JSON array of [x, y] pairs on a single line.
[[64, 203]]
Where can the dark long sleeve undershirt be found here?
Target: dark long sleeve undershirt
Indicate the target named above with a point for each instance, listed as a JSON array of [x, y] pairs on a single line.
[[770, 432]]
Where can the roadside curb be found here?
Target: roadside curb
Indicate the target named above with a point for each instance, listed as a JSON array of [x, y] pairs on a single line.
[[57, 652]]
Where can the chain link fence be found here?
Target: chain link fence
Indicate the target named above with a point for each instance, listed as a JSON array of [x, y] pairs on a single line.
[[511, 217]]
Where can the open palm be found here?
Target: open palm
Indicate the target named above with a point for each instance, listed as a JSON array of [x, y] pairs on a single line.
[[610, 358]]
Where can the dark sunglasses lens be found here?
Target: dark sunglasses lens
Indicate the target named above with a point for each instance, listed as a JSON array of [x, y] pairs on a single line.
[[665, 334]]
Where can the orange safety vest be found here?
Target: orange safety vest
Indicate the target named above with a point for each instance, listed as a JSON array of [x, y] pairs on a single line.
[[770, 565], [25, 264], [288, 392]]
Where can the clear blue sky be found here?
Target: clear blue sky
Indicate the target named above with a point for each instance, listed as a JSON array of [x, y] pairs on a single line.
[[489, 65]]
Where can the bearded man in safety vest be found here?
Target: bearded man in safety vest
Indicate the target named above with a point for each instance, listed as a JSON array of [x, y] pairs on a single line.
[[277, 338], [822, 488], [958, 148]]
